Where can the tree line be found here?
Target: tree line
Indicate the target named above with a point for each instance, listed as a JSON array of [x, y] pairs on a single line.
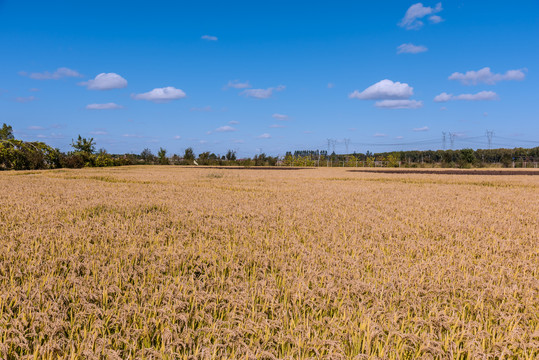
[[22, 155]]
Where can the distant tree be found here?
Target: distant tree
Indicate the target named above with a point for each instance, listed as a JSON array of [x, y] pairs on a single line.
[[231, 155], [147, 155], [162, 154], [467, 157], [204, 158], [175, 159], [189, 154], [84, 145], [103, 159], [6, 132]]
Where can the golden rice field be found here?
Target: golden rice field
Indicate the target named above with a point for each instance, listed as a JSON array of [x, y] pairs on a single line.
[[198, 263]]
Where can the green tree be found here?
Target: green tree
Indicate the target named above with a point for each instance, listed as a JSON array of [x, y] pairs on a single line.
[[189, 154], [84, 145], [162, 154], [231, 155], [392, 161], [147, 156], [6, 132]]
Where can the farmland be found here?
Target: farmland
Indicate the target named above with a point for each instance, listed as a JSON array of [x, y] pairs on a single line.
[[177, 263]]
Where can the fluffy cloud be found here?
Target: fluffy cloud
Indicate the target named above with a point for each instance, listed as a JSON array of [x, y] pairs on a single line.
[[233, 122], [262, 93], [160, 95], [103, 106], [443, 97], [236, 84], [225, 128], [424, 128], [385, 89], [276, 126], [280, 116], [105, 81], [264, 136], [486, 76], [411, 19], [209, 37], [480, 96], [411, 49], [399, 104], [58, 74], [435, 19]]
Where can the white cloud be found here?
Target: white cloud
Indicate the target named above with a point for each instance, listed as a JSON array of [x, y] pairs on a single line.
[[424, 128], [331, 85], [209, 37], [103, 106], [262, 93], [484, 75], [264, 136], [132, 136], [177, 137], [233, 122], [399, 104], [418, 11], [58, 74], [236, 84], [34, 127], [225, 128], [98, 133], [443, 97], [399, 137], [411, 49], [280, 116], [105, 81], [384, 89], [379, 135], [435, 19], [276, 126], [160, 95], [21, 99], [480, 96]]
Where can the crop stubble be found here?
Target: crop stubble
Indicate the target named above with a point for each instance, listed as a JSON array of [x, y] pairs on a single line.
[[172, 262]]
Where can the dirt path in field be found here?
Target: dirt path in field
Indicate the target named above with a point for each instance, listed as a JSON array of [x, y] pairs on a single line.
[[452, 172]]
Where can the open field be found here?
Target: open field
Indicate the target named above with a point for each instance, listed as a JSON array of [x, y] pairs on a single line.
[[178, 263]]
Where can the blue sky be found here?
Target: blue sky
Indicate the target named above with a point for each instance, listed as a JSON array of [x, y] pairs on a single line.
[[270, 77]]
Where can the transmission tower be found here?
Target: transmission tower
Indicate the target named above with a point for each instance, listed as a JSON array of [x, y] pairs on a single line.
[[452, 137], [490, 134], [346, 143], [443, 140]]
